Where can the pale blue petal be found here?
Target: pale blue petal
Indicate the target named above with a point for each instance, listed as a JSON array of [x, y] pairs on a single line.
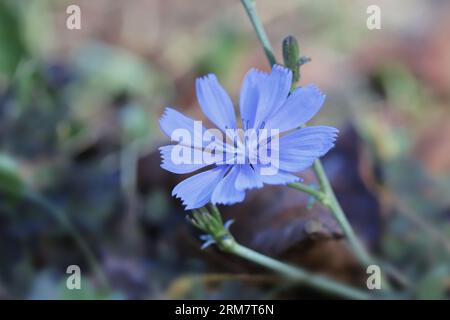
[[299, 108], [308, 135], [207, 243], [282, 177], [180, 168], [196, 191], [225, 191], [215, 102], [172, 120], [248, 98], [299, 149], [247, 179], [273, 92], [228, 224], [205, 237]]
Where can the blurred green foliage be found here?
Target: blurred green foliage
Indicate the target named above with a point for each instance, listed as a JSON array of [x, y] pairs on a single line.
[[80, 181]]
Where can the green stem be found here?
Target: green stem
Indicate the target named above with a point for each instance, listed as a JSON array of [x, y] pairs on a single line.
[[250, 8], [353, 240], [333, 204], [209, 220], [327, 196], [319, 282], [319, 195]]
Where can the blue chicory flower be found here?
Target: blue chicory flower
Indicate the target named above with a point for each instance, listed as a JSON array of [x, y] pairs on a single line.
[[265, 102]]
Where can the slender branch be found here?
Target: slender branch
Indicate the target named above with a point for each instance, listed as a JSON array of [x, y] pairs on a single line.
[[318, 194], [333, 204], [250, 8], [209, 221], [315, 281], [326, 196], [329, 198], [321, 176]]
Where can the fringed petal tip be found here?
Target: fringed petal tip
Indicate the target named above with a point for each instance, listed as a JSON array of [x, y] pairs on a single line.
[[164, 118], [195, 191], [282, 69], [215, 102], [207, 241]]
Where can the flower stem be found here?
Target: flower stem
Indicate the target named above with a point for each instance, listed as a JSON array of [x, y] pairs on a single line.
[[315, 281], [209, 220], [319, 195], [332, 203], [250, 8], [326, 194]]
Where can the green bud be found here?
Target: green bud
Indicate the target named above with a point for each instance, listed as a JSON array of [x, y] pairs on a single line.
[[291, 54]]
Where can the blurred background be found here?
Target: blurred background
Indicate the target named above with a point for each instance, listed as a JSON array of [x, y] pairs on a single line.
[[80, 182]]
